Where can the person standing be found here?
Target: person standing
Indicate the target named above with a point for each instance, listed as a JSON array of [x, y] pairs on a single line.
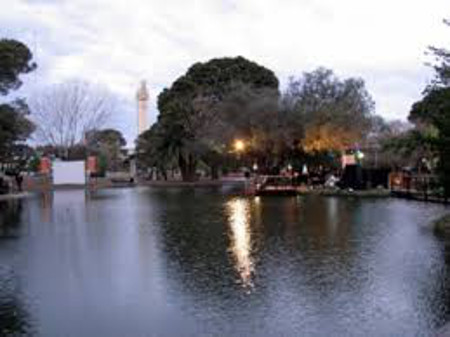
[[19, 181]]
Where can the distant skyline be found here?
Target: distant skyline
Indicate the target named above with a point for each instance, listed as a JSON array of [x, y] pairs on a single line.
[[120, 43]]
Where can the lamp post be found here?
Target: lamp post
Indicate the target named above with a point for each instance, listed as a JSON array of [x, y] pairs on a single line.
[[239, 148], [239, 145], [359, 155]]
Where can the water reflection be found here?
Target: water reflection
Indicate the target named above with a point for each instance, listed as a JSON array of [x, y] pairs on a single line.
[[240, 239], [46, 203], [164, 262], [10, 218], [14, 320]]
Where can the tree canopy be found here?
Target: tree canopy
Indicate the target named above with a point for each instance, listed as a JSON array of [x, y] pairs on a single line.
[[440, 64], [222, 100], [433, 108], [15, 60], [194, 112], [107, 143], [432, 112], [328, 113], [14, 127]]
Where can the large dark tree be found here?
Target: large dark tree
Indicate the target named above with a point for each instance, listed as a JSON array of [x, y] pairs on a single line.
[[193, 108], [441, 64], [14, 127], [433, 108], [433, 111], [157, 151], [15, 60]]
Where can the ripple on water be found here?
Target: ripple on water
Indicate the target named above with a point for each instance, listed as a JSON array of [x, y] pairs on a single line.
[[201, 262]]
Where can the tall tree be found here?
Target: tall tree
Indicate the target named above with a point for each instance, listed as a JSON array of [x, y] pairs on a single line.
[[64, 113], [157, 151], [328, 113], [432, 115], [440, 64], [14, 127], [433, 112], [192, 107], [15, 60], [251, 115]]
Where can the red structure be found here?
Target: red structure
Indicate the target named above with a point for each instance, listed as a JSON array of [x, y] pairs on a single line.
[[45, 166], [91, 165]]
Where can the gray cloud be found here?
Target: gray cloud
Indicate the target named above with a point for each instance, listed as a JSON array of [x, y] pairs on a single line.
[[118, 43]]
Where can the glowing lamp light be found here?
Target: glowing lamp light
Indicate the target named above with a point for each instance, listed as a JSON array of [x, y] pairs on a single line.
[[239, 145], [359, 155]]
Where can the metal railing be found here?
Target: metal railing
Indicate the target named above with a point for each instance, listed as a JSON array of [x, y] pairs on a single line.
[[424, 187]]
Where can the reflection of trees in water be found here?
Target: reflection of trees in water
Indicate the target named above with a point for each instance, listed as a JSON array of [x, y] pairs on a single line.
[[10, 218], [305, 244], [325, 222], [14, 319], [193, 240], [310, 248], [210, 240], [46, 203], [197, 242], [440, 298], [218, 249]]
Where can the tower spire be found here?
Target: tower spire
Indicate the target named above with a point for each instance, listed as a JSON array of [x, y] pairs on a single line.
[[142, 98]]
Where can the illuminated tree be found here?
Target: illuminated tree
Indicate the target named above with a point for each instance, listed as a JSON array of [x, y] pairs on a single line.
[[328, 113]]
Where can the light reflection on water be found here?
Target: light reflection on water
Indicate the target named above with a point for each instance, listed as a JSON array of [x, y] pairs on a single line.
[[240, 239], [199, 262]]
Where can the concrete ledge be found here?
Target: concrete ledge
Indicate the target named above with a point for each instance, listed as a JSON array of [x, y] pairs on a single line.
[[374, 193], [200, 183], [15, 196]]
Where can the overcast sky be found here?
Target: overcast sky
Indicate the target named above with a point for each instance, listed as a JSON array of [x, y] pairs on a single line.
[[120, 42]]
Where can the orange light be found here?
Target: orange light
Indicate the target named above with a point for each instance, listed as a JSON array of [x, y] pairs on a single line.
[[239, 145]]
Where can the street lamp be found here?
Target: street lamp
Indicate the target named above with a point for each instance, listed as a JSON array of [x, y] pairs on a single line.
[[359, 155], [239, 145]]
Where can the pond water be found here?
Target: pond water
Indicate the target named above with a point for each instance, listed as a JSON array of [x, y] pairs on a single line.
[[208, 262]]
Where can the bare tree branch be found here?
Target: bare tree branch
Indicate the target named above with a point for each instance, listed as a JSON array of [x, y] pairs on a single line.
[[64, 113]]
